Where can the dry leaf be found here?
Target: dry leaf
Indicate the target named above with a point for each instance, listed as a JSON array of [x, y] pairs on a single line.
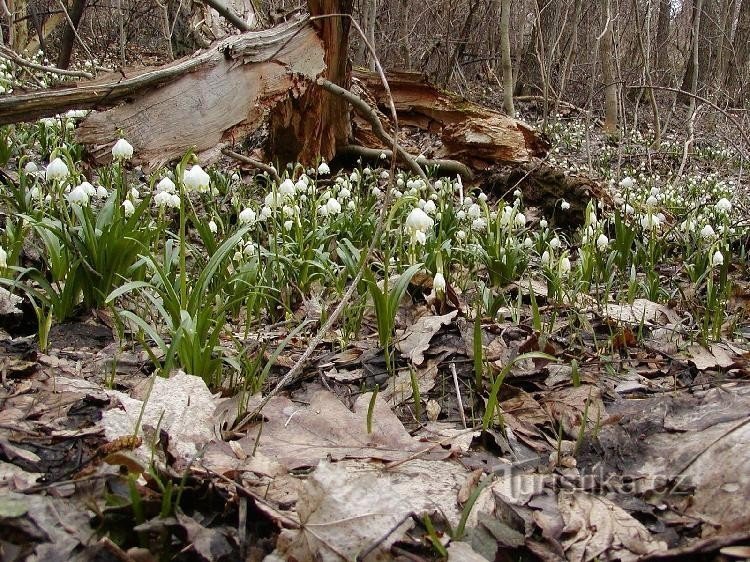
[[416, 338], [181, 405], [343, 515], [596, 527], [641, 311], [299, 435]]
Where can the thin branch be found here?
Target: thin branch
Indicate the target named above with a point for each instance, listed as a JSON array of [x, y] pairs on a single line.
[[228, 14], [445, 166], [75, 31], [729, 116], [293, 374], [251, 162], [9, 54]]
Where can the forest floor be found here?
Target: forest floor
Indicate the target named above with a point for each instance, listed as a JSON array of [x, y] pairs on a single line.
[[549, 364]]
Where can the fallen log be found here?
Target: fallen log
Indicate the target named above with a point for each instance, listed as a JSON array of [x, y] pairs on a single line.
[[215, 98], [224, 98], [476, 135]]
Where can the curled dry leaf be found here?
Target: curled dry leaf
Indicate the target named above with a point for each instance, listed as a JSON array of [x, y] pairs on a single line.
[[416, 338]]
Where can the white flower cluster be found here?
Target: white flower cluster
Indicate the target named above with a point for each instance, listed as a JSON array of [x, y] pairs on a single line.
[[166, 194]]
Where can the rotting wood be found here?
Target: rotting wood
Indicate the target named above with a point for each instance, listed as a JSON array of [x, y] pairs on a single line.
[[226, 97], [478, 136]]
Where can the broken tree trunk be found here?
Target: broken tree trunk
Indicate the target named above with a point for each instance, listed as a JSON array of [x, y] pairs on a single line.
[[202, 102], [478, 136], [315, 123]]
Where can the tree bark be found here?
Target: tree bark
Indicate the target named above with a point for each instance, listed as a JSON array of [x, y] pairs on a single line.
[[69, 35], [608, 73], [507, 62], [310, 126], [662, 35], [475, 135], [19, 34]]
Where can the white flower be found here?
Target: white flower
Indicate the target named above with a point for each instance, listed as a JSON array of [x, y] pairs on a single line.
[[717, 259], [461, 215], [78, 196], [101, 192], [274, 200], [564, 266], [265, 212], [723, 205], [429, 207], [376, 192], [344, 193], [212, 227], [543, 223], [174, 201], [708, 231], [555, 243], [247, 216], [438, 283], [475, 211], [652, 201], [461, 235], [482, 197], [418, 221], [128, 208], [287, 188], [249, 249], [602, 242], [520, 219], [323, 169], [195, 179], [627, 182], [545, 258], [650, 221], [334, 207], [57, 170], [166, 185], [122, 150], [479, 224], [323, 210], [420, 237], [564, 205], [30, 168], [351, 205], [288, 225], [3, 257], [89, 189]]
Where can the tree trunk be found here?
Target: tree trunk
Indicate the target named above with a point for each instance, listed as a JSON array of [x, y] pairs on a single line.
[[662, 35], [403, 35], [19, 34], [463, 38], [608, 73], [507, 62], [69, 35], [738, 77], [690, 77], [371, 19], [312, 125]]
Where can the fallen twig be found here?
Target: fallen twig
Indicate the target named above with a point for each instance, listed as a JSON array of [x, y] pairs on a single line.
[[444, 165], [251, 162]]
